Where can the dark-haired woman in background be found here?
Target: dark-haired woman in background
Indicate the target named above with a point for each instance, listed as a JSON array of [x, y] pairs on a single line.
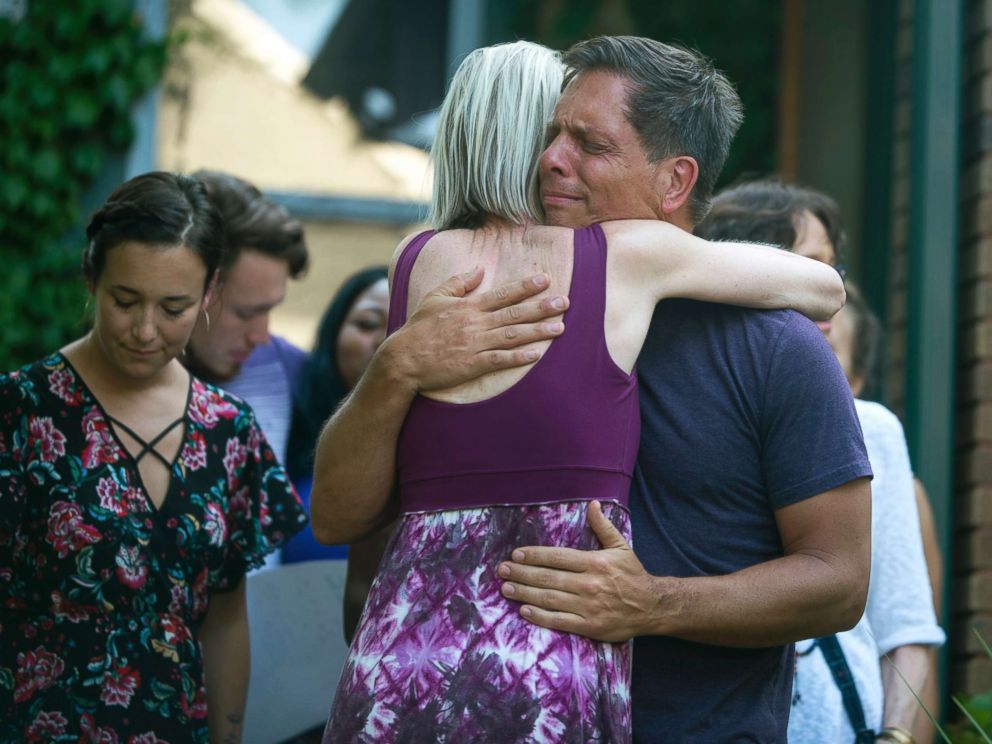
[[133, 498], [890, 653], [352, 328]]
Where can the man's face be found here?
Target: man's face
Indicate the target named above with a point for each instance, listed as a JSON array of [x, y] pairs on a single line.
[[239, 315], [594, 168]]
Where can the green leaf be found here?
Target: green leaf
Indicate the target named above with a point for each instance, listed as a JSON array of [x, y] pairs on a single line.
[[96, 60], [17, 156], [67, 25], [13, 192], [116, 92], [47, 166], [61, 69], [121, 133], [42, 206], [81, 110], [145, 74], [86, 160], [116, 12], [46, 129]]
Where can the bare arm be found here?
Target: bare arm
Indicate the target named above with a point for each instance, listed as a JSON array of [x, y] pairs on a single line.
[[923, 729], [900, 602], [818, 587], [905, 670], [354, 464], [679, 264], [453, 337], [917, 663], [227, 663]]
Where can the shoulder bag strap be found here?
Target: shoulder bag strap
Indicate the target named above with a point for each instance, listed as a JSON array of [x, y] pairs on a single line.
[[841, 673]]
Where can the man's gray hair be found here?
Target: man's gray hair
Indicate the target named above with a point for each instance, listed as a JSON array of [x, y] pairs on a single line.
[[677, 102], [490, 133]]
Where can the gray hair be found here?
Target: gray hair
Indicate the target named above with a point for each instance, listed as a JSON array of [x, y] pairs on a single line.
[[677, 102], [490, 134]]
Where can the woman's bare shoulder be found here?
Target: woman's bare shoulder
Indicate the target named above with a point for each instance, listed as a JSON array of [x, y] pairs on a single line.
[[400, 247]]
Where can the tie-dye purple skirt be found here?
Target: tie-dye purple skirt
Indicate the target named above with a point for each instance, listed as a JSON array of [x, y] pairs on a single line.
[[441, 656]]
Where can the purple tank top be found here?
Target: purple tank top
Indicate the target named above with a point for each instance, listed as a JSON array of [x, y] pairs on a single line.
[[568, 430]]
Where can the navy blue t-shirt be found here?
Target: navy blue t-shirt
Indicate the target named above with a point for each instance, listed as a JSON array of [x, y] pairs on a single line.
[[743, 412]]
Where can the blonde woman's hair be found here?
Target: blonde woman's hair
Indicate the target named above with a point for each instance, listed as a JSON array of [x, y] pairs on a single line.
[[491, 131]]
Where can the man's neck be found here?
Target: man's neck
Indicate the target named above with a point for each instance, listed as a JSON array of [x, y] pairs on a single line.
[[680, 218], [198, 370]]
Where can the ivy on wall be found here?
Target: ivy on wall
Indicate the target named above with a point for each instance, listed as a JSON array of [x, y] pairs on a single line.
[[71, 73]]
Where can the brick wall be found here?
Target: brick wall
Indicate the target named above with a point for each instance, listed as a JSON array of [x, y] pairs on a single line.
[[972, 669], [971, 551]]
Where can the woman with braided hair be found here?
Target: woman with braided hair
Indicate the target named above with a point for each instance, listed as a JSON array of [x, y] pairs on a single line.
[[133, 499]]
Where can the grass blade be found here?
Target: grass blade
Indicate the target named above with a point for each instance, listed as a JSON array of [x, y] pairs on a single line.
[[937, 726], [981, 640]]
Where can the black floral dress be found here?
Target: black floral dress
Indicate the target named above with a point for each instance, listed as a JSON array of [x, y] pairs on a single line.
[[102, 594]]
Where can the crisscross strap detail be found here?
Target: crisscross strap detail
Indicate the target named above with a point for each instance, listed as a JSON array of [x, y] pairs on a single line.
[[148, 446]]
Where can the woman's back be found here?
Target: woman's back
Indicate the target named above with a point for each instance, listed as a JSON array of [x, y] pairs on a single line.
[[505, 253], [568, 425], [515, 464], [510, 252]]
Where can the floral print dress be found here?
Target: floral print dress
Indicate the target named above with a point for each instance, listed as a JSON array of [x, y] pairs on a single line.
[[102, 593]]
